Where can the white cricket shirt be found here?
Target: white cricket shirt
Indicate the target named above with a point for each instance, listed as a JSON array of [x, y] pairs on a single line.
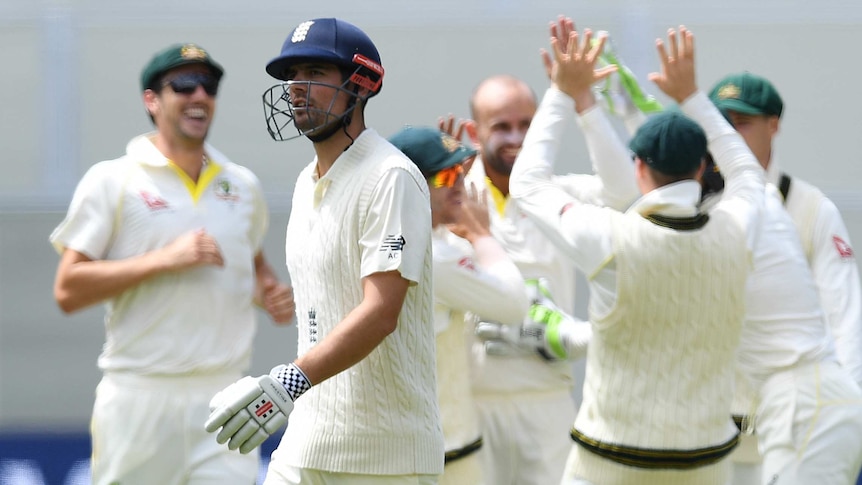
[[195, 321]]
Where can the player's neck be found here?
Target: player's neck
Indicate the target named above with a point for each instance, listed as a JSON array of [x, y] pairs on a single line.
[[500, 181], [330, 149], [188, 156]]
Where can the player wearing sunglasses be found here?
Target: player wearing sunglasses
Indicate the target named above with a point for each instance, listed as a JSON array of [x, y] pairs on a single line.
[[169, 238], [481, 280]]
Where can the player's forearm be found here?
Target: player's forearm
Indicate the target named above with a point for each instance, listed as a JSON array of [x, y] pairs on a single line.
[[744, 178], [349, 343], [81, 283], [743, 175], [361, 330], [495, 293], [531, 182], [542, 141], [611, 160]]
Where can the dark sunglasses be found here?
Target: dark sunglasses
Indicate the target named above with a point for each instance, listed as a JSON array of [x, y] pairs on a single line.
[[189, 82]]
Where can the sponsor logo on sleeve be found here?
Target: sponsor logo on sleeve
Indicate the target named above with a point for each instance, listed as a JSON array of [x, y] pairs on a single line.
[[394, 244], [844, 249]]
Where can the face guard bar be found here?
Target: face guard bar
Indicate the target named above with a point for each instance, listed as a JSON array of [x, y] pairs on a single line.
[[279, 107]]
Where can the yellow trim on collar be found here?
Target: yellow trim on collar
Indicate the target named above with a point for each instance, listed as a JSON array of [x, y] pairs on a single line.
[[499, 199], [209, 172]]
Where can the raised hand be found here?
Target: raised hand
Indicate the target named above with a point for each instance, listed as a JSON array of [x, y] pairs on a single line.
[[560, 30], [573, 68], [677, 75], [473, 219], [457, 128]]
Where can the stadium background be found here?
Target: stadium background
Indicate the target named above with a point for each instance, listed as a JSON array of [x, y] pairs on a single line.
[[70, 96]]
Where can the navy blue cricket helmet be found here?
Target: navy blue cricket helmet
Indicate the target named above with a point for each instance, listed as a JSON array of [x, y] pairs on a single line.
[[331, 40]]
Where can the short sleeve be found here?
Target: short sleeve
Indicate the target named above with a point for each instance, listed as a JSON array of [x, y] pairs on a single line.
[[397, 230], [89, 223]]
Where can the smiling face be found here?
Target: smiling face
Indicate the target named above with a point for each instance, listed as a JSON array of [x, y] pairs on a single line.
[[182, 118], [503, 109]]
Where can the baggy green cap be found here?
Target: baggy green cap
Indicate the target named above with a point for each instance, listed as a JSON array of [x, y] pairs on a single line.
[[175, 56], [747, 93], [430, 149], [670, 143]]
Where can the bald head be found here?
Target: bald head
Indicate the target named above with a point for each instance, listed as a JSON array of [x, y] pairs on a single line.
[[499, 90], [502, 107]]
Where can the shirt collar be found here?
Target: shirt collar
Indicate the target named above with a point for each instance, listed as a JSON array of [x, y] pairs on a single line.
[[477, 175], [773, 172], [678, 199], [144, 151]]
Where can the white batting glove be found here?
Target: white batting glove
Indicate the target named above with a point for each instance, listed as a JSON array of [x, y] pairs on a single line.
[[253, 408]]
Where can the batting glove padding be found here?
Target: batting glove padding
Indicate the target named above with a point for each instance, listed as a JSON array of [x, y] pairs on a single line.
[[250, 410]]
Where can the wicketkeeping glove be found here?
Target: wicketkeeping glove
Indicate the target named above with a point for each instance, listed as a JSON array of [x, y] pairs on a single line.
[[546, 330], [621, 93], [512, 340], [253, 408]]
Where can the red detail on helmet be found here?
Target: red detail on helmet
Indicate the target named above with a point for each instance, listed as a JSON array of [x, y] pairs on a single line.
[[364, 61], [365, 81], [844, 249]]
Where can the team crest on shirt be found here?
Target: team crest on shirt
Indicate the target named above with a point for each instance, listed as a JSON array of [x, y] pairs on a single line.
[[153, 201], [394, 244], [224, 190], [844, 249]]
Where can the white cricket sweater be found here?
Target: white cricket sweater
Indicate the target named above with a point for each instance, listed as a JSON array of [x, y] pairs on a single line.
[[381, 415], [660, 364]]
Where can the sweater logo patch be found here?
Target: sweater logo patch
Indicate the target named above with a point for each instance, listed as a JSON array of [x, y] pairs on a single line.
[[393, 244], [312, 326], [844, 249]]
